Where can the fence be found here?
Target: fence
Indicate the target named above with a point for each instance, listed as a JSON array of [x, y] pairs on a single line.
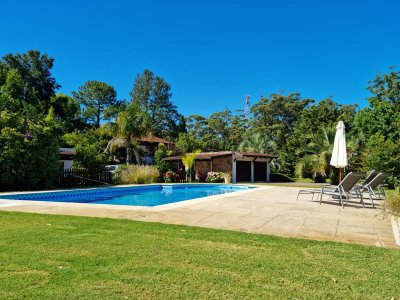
[[82, 178]]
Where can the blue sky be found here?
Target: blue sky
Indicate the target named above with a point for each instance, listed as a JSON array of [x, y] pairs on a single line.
[[213, 53]]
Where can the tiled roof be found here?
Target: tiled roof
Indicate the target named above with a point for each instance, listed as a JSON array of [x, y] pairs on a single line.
[[154, 139], [254, 154], [67, 151], [209, 155]]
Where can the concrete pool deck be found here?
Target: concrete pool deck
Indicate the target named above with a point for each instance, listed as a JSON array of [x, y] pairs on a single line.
[[269, 210]]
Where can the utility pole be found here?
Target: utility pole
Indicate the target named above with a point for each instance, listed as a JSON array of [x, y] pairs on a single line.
[[247, 109]]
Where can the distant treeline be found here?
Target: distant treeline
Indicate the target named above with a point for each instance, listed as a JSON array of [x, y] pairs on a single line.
[[35, 121]]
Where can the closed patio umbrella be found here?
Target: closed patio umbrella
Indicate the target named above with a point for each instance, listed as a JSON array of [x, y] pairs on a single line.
[[339, 153]]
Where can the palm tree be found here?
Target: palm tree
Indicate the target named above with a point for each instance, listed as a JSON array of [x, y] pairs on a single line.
[[318, 152], [128, 126], [257, 143], [188, 161]]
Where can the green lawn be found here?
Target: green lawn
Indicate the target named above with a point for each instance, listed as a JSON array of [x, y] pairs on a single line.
[[50, 257]]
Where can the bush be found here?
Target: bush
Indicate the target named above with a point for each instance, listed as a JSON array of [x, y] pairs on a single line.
[[393, 182], [29, 159], [89, 146], [214, 177], [161, 153], [138, 174], [170, 176], [391, 206], [117, 176], [383, 155]]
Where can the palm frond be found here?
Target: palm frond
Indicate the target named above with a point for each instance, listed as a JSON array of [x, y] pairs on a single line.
[[188, 159], [116, 143], [257, 143]]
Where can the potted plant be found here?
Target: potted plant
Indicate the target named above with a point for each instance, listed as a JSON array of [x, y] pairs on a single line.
[[227, 177]]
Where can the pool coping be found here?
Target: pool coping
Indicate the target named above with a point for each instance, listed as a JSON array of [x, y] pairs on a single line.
[[11, 202], [263, 210], [396, 229]]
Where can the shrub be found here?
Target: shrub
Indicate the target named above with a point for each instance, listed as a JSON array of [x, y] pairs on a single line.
[[29, 159], [161, 153], [214, 177], [383, 155], [170, 176], [89, 146], [391, 206], [393, 181], [139, 174], [117, 176]]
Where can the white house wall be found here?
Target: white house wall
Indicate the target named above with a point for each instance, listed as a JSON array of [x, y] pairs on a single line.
[[67, 163]]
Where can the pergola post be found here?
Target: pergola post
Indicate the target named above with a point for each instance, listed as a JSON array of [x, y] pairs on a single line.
[[268, 169], [194, 166], [233, 168], [252, 171]]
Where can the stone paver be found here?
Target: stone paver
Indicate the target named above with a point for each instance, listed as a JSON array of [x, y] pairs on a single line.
[[267, 210]]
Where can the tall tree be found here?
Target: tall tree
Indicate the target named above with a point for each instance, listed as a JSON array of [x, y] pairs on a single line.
[[221, 131], [67, 111], [276, 117], [278, 114], [33, 71], [197, 125], [29, 132], [383, 113], [237, 129], [380, 125], [188, 142], [152, 94], [218, 129], [325, 113], [98, 100]]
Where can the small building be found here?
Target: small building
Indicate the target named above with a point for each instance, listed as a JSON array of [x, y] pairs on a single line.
[[66, 158], [149, 146], [244, 166]]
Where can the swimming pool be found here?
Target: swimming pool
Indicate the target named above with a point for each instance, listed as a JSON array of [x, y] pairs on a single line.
[[151, 195]]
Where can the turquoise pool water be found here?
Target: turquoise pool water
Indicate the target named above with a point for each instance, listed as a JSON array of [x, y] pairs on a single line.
[[151, 195]]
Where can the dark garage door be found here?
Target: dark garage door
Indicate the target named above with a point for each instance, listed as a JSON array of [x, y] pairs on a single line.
[[260, 171], [243, 171]]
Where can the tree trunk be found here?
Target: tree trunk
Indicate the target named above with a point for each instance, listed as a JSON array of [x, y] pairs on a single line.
[[129, 155], [137, 155], [98, 115]]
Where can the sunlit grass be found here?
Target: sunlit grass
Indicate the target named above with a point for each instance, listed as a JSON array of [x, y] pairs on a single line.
[[53, 257]]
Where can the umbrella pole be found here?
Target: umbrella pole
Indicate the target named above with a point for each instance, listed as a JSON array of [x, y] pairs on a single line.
[[340, 175]]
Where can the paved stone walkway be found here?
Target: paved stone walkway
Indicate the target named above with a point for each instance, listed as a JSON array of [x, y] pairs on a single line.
[[267, 210]]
